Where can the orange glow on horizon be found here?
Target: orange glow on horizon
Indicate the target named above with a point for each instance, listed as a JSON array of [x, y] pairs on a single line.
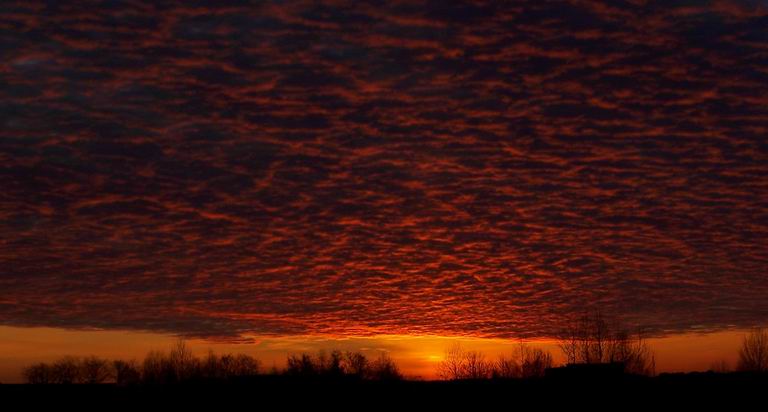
[[417, 356]]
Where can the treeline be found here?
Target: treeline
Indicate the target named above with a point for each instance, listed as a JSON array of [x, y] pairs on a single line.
[[337, 364], [180, 365], [589, 339], [524, 363]]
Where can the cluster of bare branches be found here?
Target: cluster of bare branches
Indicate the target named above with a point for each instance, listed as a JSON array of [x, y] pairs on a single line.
[[590, 339], [459, 363], [753, 356], [337, 364], [527, 362]]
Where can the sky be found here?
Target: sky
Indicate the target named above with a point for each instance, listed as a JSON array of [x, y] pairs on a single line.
[[236, 171]]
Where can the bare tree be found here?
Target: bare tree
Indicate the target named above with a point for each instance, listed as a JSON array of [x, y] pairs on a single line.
[[506, 368], [452, 365], [40, 373], [475, 366], [302, 365], [332, 364], [461, 364], [534, 362], [126, 372], [584, 339], [753, 356], [590, 339], [633, 352], [525, 362], [227, 366], [245, 365], [66, 370], [337, 364], [155, 368], [94, 370], [211, 367], [356, 364], [384, 369], [183, 363]]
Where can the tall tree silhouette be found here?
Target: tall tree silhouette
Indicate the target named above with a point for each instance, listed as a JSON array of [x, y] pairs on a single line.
[[753, 356]]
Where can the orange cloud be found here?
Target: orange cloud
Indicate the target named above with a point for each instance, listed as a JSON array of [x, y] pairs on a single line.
[[437, 168]]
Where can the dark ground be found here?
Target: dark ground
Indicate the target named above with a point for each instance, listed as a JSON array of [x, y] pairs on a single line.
[[679, 391]]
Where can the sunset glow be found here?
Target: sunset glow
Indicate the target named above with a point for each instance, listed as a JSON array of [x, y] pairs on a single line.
[[280, 177], [417, 355]]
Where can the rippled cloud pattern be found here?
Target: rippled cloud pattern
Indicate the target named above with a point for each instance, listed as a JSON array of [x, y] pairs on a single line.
[[231, 168]]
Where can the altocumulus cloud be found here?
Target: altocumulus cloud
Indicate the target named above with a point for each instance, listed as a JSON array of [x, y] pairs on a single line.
[[220, 169]]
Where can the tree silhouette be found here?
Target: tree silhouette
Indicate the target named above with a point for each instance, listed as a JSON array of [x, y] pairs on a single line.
[[753, 356], [591, 339], [384, 369], [337, 365], [533, 361], [506, 367], [94, 370], [452, 365], [476, 366], [155, 368], [356, 364], [462, 364], [301, 366], [180, 365], [126, 372], [40, 373], [66, 370]]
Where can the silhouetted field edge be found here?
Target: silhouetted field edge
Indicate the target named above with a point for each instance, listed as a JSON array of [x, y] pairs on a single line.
[[684, 390]]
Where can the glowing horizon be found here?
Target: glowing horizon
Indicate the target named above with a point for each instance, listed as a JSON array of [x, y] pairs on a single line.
[[417, 356], [262, 174]]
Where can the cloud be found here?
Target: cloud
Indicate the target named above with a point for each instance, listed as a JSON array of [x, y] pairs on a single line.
[[294, 168]]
